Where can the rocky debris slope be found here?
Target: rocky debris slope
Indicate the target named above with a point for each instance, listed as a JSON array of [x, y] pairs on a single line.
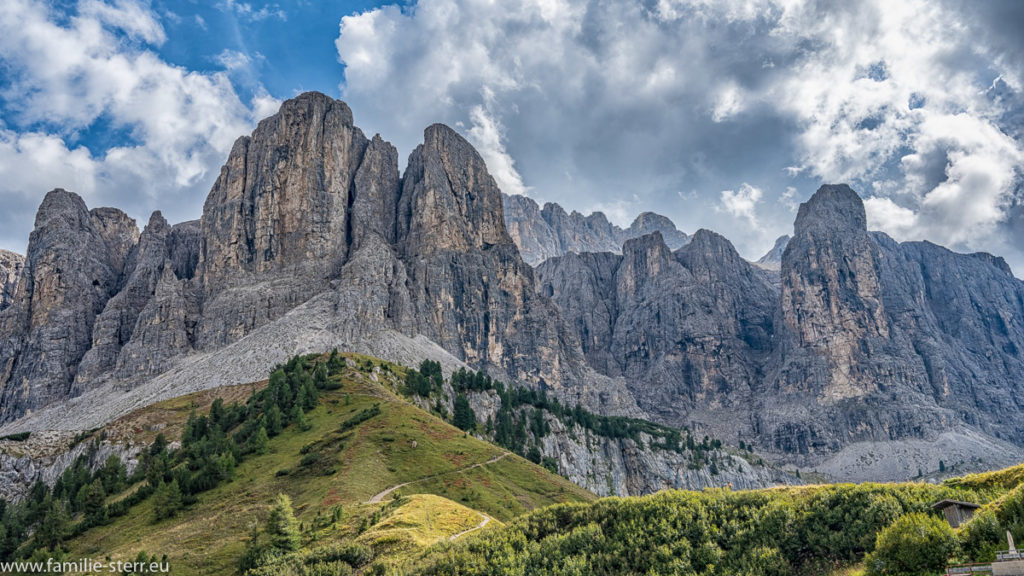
[[305, 209], [542, 233], [11, 265]]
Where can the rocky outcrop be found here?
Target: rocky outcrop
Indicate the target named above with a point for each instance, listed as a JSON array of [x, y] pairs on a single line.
[[471, 291], [115, 325], [649, 223], [629, 467], [11, 265], [689, 330], [45, 456], [276, 224], [545, 233], [857, 341], [884, 342], [610, 466], [74, 266]]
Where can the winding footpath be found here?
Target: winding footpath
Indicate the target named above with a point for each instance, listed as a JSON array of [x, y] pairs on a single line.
[[380, 496], [473, 529]]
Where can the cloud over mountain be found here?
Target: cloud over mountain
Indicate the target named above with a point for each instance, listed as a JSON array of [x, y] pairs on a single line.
[[676, 100]]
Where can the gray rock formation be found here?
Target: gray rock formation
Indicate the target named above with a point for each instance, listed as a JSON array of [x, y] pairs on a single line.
[[275, 225], [45, 456], [74, 266], [772, 260], [306, 208], [690, 331], [883, 341], [312, 239], [471, 291], [115, 325], [11, 265], [858, 341], [544, 233], [625, 466]]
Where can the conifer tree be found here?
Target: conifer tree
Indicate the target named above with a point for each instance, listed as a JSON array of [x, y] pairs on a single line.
[[282, 527], [463, 416], [167, 500], [260, 441]]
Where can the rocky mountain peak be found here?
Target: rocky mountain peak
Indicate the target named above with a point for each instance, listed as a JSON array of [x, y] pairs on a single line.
[[449, 201], [648, 222], [712, 243], [156, 222], [542, 233], [281, 201], [73, 266], [306, 109], [833, 207], [772, 260], [647, 255]]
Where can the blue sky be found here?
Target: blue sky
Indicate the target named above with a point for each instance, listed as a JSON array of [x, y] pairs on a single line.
[[721, 114]]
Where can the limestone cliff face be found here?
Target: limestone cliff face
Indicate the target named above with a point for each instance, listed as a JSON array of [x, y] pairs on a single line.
[[831, 298], [631, 467], [11, 265], [115, 325], [275, 225], [545, 233], [282, 198], [74, 265], [857, 341], [690, 331], [471, 290]]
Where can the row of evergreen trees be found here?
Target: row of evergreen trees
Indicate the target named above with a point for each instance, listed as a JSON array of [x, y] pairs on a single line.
[[521, 415]]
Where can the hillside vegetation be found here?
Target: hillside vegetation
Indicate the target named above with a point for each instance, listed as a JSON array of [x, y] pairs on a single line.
[[344, 464], [823, 529], [327, 432]]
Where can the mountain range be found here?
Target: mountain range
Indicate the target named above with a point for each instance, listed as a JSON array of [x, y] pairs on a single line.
[[841, 351]]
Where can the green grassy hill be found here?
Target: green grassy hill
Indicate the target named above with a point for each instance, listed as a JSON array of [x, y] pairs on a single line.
[[335, 471]]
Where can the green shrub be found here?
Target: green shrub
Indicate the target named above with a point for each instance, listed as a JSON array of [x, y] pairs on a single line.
[[916, 544]]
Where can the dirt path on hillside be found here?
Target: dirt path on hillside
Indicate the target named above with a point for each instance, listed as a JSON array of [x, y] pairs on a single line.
[[473, 529], [378, 497]]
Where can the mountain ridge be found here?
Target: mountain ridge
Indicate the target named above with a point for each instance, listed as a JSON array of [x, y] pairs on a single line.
[[542, 233], [312, 239]]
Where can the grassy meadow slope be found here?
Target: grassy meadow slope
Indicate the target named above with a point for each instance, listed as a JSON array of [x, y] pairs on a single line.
[[454, 480]]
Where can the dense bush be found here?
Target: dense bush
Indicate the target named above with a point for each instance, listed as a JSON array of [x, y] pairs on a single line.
[[917, 544], [985, 534], [765, 532]]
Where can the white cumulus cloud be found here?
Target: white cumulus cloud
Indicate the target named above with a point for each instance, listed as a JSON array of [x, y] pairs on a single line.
[[66, 74]]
